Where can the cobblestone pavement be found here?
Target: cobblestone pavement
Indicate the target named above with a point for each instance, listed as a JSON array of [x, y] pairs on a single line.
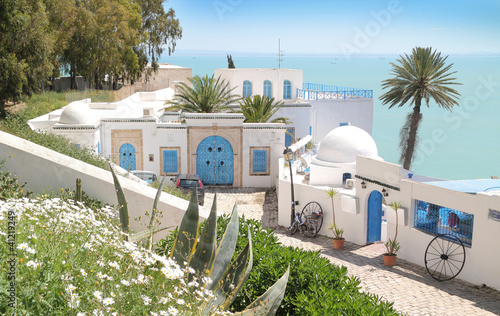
[[409, 286]]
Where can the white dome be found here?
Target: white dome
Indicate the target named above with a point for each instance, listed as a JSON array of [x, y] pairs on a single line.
[[77, 113], [342, 145]]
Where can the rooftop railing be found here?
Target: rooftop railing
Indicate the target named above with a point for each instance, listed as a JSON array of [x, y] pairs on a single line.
[[314, 91]]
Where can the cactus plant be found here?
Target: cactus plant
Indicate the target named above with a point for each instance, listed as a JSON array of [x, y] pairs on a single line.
[[227, 277], [78, 191]]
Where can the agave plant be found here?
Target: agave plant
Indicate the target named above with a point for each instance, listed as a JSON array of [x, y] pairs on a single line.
[[124, 217], [214, 261]]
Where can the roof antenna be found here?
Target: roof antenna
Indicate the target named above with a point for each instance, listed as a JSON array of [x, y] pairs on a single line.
[[280, 53]]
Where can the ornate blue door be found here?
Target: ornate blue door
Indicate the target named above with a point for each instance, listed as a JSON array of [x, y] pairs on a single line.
[[214, 161], [374, 217], [127, 157]]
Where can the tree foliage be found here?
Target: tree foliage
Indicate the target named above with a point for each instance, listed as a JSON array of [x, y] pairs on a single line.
[[208, 95], [258, 109], [25, 47], [423, 75], [98, 39]]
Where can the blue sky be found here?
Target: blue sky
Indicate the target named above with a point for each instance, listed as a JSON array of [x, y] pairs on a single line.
[[338, 26]]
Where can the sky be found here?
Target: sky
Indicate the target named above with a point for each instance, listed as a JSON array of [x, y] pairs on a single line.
[[338, 26]]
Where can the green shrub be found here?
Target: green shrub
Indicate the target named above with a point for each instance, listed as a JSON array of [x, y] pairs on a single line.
[[315, 286]]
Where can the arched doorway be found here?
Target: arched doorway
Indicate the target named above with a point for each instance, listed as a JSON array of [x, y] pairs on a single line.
[[127, 157], [214, 161], [374, 222]]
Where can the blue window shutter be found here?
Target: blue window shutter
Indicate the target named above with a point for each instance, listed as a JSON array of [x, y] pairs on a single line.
[[268, 89], [287, 89], [259, 160], [247, 88], [170, 161], [344, 124], [289, 138], [98, 147]]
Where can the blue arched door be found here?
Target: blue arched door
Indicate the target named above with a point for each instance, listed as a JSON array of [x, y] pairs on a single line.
[[127, 157], [214, 161], [374, 217]]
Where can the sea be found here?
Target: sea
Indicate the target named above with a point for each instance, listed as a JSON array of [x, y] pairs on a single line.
[[461, 144]]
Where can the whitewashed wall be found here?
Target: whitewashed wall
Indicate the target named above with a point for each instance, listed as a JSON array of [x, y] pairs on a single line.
[[257, 76], [44, 169], [328, 114], [299, 115]]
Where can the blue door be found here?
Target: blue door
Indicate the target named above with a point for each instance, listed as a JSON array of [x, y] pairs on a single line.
[[374, 217], [214, 161], [127, 157]]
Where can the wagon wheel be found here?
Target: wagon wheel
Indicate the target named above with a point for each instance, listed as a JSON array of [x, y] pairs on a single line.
[[444, 257], [312, 215]]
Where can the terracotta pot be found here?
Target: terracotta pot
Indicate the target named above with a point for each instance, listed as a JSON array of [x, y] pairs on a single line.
[[389, 260], [338, 243]]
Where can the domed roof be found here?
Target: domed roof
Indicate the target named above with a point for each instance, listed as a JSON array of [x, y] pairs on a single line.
[[342, 145], [77, 113]]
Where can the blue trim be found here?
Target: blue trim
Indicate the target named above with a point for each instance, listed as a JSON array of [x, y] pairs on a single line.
[[344, 124], [268, 89], [259, 160], [247, 89], [287, 89], [99, 147]]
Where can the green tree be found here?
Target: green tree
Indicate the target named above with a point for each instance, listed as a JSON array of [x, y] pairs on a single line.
[[258, 109], [423, 75], [208, 95], [25, 49], [160, 30]]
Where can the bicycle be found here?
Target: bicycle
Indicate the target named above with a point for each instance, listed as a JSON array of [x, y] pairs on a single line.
[[309, 221]]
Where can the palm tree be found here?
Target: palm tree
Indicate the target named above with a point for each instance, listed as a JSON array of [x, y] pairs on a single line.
[[208, 95], [422, 75], [258, 109]]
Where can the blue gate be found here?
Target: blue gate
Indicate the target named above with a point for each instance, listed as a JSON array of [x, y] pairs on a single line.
[[127, 157], [214, 161], [374, 217]]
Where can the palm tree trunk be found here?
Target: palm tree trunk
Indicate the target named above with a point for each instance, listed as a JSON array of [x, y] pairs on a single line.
[[412, 135]]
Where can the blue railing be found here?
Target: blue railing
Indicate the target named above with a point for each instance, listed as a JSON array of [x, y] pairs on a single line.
[[314, 91], [436, 220]]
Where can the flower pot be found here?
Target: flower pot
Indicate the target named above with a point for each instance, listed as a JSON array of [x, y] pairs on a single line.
[[389, 260], [338, 243]]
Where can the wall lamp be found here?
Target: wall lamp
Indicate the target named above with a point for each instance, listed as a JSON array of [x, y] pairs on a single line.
[[363, 185], [385, 192]]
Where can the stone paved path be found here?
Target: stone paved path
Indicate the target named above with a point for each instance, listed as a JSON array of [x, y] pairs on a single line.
[[409, 286]]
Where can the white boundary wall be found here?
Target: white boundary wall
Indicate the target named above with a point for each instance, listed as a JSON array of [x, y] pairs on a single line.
[[44, 169]]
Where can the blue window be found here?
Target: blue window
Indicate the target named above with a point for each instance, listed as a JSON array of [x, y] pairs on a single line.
[[435, 219], [268, 89], [98, 147], [247, 88], [289, 136], [170, 161], [346, 176], [287, 89], [259, 160], [344, 124]]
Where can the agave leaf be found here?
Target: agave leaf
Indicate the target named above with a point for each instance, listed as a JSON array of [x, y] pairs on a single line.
[[267, 304], [204, 255], [122, 203], [234, 278], [185, 242], [154, 212], [225, 250], [240, 278], [147, 233]]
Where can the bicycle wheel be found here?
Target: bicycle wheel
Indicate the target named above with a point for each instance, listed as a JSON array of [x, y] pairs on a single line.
[[294, 228], [312, 215], [444, 257]]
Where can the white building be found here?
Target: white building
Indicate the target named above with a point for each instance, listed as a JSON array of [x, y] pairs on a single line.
[[139, 135], [313, 109], [468, 210]]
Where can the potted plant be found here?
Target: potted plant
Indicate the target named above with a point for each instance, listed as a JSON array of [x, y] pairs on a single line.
[[392, 245], [338, 239]]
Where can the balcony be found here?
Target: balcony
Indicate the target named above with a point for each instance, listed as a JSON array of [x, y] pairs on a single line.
[[313, 91]]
